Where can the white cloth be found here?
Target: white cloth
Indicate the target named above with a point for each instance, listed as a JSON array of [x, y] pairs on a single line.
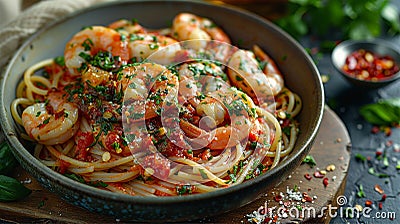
[[29, 21], [9, 9]]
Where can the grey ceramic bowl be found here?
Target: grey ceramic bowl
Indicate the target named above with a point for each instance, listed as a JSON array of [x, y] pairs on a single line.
[[378, 46], [300, 72]]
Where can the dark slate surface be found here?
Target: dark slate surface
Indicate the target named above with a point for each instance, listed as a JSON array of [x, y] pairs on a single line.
[[346, 100]]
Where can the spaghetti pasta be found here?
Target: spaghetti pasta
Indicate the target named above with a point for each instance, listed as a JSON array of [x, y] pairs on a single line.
[[127, 124]]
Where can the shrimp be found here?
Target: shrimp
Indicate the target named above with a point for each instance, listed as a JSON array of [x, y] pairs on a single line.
[[153, 48], [127, 27], [146, 89], [51, 123], [205, 76], [220, 107], [186, 26], [91, 41], [245, 73]]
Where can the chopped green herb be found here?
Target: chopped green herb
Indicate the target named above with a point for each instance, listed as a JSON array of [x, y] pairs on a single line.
[[59, 61], [360, 192], [87, 44], [184, 189], [385, 161], [360, 157], [238, 78], [371, 171], [310, 160]]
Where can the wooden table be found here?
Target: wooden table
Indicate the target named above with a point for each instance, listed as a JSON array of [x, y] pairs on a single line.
[[331, 147]]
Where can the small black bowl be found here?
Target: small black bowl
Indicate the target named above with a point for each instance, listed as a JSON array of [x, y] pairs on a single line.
[[378, 46]]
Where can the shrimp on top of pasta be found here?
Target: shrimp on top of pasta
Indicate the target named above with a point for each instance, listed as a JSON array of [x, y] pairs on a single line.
[[164, 112]]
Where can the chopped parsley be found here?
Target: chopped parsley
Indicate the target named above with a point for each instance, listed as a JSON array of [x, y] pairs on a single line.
[[310, 160], [360, 192], [59, 61]]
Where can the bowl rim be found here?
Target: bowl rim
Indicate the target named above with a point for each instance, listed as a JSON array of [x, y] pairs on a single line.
[[373, 42], [73, 185]]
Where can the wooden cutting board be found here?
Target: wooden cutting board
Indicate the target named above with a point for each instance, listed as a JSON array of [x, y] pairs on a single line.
[[331, 147]]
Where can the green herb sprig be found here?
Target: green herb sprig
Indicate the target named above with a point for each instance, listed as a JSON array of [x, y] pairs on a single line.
[[384, 112]]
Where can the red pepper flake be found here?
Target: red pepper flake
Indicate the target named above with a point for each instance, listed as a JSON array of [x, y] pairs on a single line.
[[325, 181], [368, 203], [389, 143], [314, 50], [387, 131], [383, 197], [380, 205], [375, 130], [278, 198], [307, 199], [318, 174], [379, 189], [307, 176]]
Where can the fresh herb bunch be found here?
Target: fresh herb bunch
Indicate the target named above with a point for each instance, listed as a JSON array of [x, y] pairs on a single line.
[[10, 188], [353, 19]]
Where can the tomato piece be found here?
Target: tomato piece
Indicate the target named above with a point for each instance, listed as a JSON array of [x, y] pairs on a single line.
[[63, 166], [83, 140]]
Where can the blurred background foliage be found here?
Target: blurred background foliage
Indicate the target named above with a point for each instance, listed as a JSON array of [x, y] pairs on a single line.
[[344, 19]]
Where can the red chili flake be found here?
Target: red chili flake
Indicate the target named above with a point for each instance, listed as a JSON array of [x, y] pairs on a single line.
[[318, 174], [314, 50], [379, 189], [325, 181], [389, 143], [375, 130], [380, 205], [383, 197], [278, 198], [307, 176], [307, 199], [388, 131], [368, 203]]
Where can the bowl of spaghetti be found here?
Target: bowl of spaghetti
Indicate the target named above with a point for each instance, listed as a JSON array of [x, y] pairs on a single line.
[[161, 119]]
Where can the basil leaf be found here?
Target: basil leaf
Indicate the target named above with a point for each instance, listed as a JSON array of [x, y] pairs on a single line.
[[384, 112], [11, 189], [7, 159]]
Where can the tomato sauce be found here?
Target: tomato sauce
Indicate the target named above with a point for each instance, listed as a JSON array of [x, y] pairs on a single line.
[[366, 65]]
